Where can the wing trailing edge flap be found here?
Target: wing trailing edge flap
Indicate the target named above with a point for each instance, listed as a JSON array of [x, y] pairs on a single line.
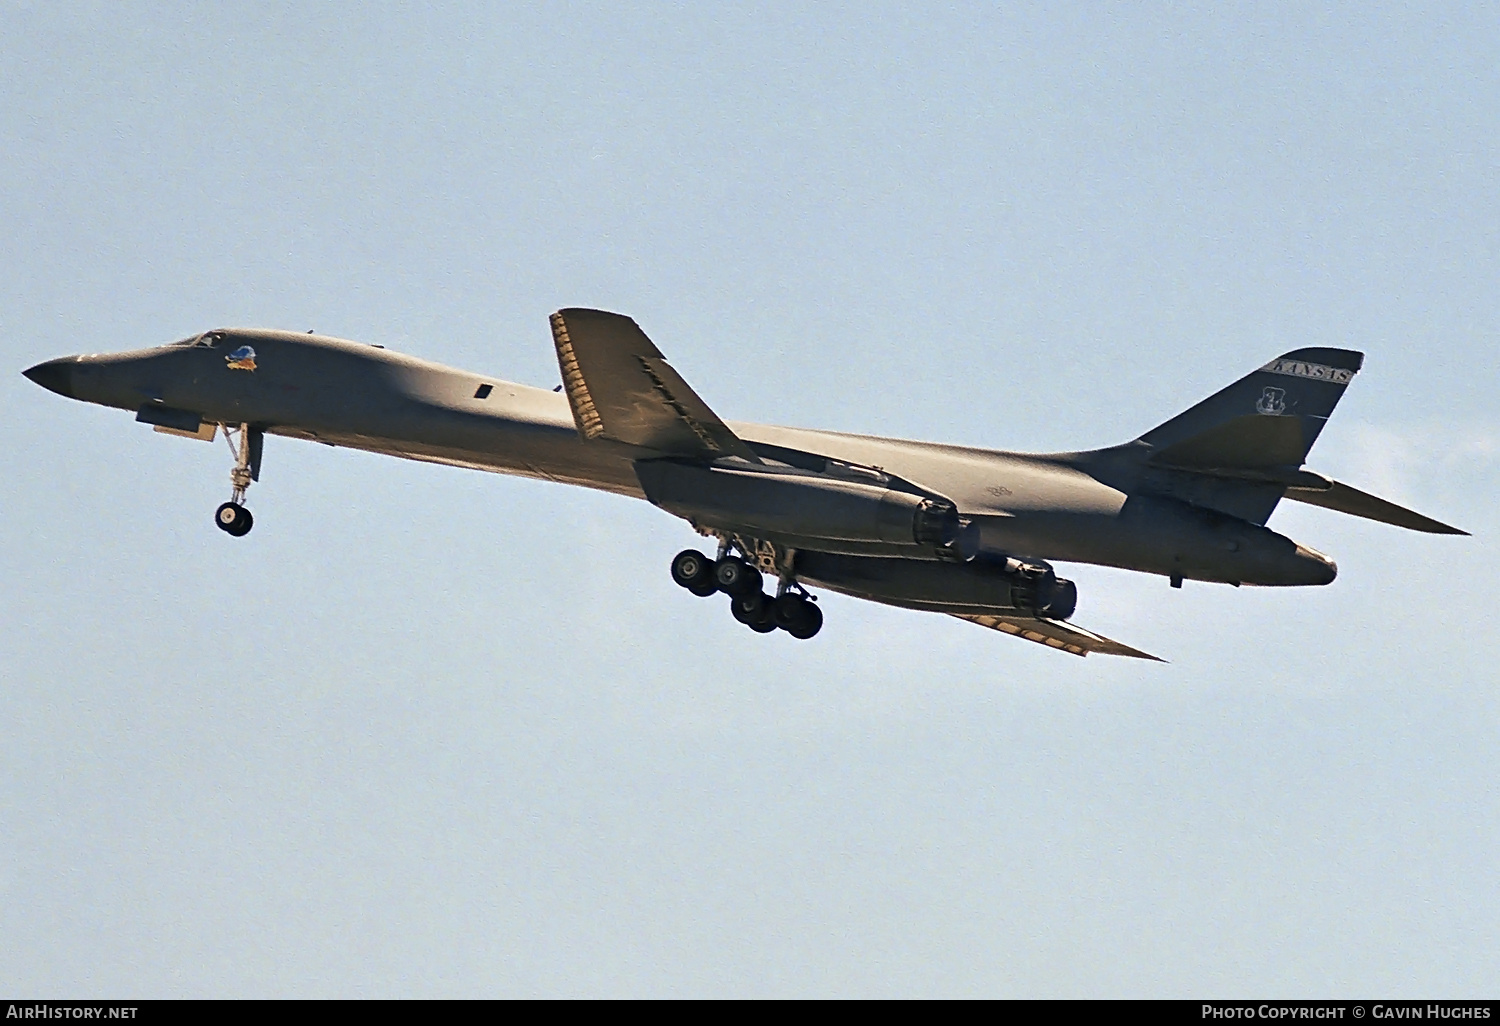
[[1057, 634], [1344, 499], [620, 387]]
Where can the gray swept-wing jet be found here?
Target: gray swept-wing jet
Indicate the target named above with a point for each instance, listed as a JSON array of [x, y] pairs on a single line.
[[968, 532]]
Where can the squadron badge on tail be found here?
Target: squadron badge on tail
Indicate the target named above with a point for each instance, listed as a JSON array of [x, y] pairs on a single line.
[[1272, 402]]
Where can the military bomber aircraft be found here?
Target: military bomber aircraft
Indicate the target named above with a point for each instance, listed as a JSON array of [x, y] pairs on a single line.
[[964, 531]]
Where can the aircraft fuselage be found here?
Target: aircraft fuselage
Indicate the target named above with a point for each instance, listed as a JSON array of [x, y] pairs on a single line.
[[1088, 507]]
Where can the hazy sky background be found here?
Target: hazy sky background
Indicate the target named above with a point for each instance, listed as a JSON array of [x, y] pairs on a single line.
[[434, 732]]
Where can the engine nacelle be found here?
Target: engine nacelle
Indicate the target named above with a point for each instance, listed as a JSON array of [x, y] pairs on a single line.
[[1038, 588], [1007, 587], [792, 506]]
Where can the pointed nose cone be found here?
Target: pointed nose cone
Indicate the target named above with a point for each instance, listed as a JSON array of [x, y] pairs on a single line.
[[55, 375]]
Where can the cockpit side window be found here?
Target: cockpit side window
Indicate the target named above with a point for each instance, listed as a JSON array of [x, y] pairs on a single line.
[[206, 340]]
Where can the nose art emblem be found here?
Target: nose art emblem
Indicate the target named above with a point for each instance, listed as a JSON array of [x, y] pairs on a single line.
[[242, 358]]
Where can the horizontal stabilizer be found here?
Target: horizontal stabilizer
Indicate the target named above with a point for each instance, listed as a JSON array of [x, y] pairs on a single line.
[[620, 387], [1057, 634], [1361, 504]]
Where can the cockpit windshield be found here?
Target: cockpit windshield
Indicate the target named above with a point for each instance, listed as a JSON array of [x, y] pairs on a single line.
[[204, 340]]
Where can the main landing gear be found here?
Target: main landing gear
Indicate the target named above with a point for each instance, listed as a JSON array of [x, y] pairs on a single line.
[[791, 608], [246, 443]]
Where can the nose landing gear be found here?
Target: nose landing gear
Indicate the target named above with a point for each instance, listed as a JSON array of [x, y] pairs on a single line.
[[234, 520], [246, 443], [791, 609]]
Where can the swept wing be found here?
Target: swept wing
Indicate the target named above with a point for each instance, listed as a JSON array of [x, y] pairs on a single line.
[[620, 387], [1056, 634]]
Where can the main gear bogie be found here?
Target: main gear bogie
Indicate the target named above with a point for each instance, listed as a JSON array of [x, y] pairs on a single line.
[[791, 609]]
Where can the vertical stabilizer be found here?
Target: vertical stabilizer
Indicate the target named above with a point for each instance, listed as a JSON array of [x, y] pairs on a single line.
[[1269, 418]]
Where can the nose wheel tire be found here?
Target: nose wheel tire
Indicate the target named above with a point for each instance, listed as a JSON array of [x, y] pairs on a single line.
[[234, 519]]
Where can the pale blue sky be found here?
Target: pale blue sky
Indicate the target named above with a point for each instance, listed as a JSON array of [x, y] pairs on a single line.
[[432, 732]]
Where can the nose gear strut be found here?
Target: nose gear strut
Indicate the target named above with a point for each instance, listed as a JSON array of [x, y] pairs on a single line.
[[246, 443]]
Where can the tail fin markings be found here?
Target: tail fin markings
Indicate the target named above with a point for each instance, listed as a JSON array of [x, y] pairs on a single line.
[[1246, 443], [1269, 418]]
